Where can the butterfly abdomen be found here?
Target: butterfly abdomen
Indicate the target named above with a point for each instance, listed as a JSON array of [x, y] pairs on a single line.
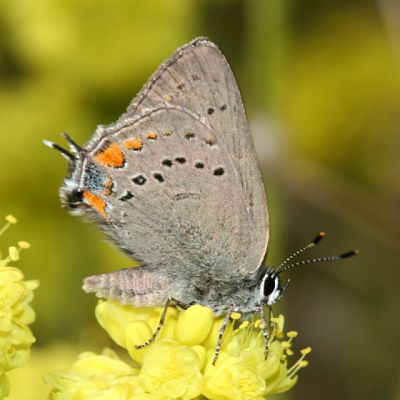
[[135, 286]]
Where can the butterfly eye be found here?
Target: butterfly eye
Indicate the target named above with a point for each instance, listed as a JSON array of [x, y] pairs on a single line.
[[270, 285]]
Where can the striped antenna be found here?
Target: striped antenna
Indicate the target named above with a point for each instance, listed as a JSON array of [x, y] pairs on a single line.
[[314, 242], [316, 260]]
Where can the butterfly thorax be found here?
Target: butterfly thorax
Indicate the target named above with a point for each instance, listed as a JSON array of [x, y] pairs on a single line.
[[235, 292]]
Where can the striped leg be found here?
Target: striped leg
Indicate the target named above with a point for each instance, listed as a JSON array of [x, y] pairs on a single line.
[[271, 315], [169, 302], [158, 329], [266, 325], [220, 334]]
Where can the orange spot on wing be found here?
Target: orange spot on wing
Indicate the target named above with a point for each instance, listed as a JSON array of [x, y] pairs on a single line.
[[96, 202], [133, 144], [111, 156], [108, 188], [150, 135]]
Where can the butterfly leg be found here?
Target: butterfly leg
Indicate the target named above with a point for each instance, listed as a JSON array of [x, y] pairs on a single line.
[[220, 334], [159, 326], [271, 315], [184, 306], [169, 302], [267, 327]]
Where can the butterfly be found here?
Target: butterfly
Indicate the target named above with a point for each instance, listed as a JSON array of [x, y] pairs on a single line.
[[175, 183]]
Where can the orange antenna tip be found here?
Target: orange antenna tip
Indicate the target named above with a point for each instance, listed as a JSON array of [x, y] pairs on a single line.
[[318, 238]]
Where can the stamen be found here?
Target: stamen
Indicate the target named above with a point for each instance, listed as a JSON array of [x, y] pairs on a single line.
[[13, 253], [278, 323], [306, 351], [301, 363], [244, 325], [235, 315], [258, 323], [10, 220]]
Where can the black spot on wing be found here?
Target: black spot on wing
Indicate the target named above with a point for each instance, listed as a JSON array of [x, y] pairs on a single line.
[[199, 165], [126, 196], [180, 160], [139, 180], [158, 177], [218, 171], [189, 135]]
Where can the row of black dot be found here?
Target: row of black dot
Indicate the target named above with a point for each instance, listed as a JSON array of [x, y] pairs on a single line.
[[141, 180], [199, 165], [211, 110], [190, 135], [209, 140], [181, 160]]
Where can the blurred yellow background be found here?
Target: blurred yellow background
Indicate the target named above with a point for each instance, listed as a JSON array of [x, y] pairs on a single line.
[[321, 85]]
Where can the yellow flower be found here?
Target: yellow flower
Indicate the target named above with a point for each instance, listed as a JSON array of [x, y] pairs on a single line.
[[15, 313], [194, 325], [232, 378], [4, 386], [178, 364], [102, 376], [172, 370]]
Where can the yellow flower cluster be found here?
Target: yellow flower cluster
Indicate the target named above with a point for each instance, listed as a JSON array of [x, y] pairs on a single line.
[[15, 312], [178, 364]]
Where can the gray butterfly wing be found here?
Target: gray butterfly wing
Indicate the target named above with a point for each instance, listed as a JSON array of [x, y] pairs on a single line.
[[175, 181], [199, 78]]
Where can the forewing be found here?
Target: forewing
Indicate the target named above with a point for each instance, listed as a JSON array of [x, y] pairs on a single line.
[[198, 78], [181, 217]]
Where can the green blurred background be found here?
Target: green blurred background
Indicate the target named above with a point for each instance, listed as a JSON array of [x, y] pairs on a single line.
[[321, 85]]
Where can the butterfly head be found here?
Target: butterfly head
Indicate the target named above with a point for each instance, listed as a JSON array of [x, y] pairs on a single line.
[[271, 290]]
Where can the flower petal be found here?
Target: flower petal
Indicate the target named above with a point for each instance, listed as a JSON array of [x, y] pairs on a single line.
[[194, 325], [137, 333], [172, 370]]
